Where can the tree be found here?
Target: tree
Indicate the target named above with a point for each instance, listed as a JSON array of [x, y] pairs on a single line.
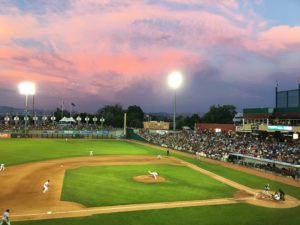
[[135, 116], [180, 121], [113, 115], [191, 121], [220, 114], [59, 114]]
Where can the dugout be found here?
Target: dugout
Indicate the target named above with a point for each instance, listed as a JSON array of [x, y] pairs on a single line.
[[284, 168]]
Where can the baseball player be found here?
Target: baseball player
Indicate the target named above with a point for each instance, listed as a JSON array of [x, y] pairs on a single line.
[[276, 196], [46, 186], [159, 156], [5, 218], [168, 152], [91, 153], [266, 189], [198, 155], [2, 167], [154, 174]]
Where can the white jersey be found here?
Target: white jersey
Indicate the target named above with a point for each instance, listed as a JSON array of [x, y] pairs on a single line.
[[2, 166], [154, 173], [46, 184], [5, 216]]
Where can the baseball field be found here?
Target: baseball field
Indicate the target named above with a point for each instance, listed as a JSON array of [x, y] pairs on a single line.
[[114, 186]]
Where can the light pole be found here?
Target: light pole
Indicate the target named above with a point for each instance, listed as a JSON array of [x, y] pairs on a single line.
[[6, 119], [78, 119], [95, 119], [174, 81], [102, 120], [53, 118], [26, 88], [35, 119], [44, 118], [16, 119], [87, 119]]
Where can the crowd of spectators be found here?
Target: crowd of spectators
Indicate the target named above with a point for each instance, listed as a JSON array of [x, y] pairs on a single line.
[[219, 145]]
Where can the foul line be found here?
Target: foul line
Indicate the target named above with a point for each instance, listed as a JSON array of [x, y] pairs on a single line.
[[137, 207]]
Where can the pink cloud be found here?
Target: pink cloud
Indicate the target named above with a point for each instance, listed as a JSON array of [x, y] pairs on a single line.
[[101, 48], [274, 40]]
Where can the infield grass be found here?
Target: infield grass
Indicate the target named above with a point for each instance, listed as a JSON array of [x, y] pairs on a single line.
[[114, 185]]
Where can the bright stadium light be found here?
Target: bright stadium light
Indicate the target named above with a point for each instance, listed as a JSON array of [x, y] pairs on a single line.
[[26, 88], [174, 81]]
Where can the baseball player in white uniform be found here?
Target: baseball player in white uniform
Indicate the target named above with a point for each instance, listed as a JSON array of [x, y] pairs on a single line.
[[198, 155], [46, 186], [5, 218], [154, 174], [91, 153], [2, 167]]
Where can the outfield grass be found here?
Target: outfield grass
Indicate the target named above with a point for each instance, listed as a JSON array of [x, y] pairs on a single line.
[[17, 151], [114, 185], [239, 214]]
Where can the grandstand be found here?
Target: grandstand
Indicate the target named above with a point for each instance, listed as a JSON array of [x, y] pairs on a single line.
[[248, 149]]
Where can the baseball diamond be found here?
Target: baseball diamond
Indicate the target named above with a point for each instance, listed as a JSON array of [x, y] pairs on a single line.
[[82, 185]]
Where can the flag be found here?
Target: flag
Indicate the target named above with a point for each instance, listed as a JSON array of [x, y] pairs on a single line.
[[73, 104]]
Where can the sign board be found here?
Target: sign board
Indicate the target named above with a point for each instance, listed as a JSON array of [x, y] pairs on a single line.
[[239, 128], [280, 128], [86, 132], [68, 132], [4, 135], [156, 125], [254, 126], [102, 132]]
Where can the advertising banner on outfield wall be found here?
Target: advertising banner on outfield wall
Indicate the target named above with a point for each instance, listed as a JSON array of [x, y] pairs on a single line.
[[102, 132], [68, 132], [76, 132], [86, 132], [4, 135]]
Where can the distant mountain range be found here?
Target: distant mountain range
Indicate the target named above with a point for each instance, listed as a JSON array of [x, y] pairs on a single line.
[[11, 110]]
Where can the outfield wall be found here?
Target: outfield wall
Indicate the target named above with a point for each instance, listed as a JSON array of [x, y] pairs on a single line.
[[71, 134]]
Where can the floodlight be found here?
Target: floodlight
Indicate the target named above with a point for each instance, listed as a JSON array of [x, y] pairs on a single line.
[[27, 88], [175, 80]]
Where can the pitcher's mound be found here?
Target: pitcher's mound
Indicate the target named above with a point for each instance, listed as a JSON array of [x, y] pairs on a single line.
[[149, 179]]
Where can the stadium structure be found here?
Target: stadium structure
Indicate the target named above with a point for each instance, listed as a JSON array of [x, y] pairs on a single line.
[[284, 117]]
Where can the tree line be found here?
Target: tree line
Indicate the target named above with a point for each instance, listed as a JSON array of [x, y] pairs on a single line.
[[114, 116]]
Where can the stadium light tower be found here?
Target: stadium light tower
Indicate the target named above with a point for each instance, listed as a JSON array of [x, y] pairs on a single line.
[[26, 88], [174, 81]]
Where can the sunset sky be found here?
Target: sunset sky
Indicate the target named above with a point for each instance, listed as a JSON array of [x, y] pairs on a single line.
[[99, 52]]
